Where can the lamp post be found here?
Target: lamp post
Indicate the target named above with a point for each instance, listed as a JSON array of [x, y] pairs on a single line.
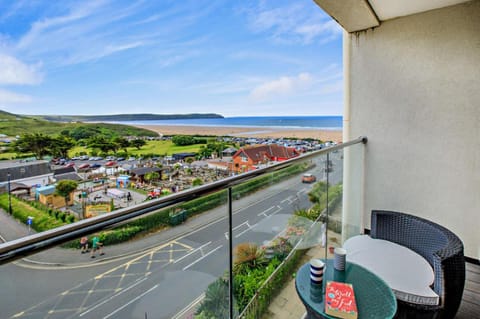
[[9, 196]]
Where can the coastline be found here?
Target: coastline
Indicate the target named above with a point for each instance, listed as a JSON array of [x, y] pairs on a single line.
[[259, 132]]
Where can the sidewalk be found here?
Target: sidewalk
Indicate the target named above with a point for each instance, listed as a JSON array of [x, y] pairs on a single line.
[[287, 304]]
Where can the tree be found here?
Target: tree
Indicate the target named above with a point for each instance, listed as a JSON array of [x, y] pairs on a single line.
[[65, 188], [151, 176], [183, 140], [101, 143], [197, 182], [216, 301], [36, 143], [59, 146], [122, 143], [138, 143]]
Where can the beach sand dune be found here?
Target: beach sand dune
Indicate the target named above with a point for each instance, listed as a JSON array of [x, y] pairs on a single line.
[[261, 132]]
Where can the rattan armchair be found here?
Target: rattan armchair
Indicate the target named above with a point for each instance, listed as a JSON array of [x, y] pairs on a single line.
[[439, 246]]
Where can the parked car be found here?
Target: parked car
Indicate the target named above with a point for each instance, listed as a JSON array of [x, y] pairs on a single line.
[[110, 163], [120, 159], [84, 166], [70, 164], [96, 165], [308, 178]]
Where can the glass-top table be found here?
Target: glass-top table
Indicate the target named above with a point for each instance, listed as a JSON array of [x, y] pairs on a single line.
[[373, 297]]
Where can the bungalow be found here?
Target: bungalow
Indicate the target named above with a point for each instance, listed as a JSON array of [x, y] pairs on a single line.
[[248, 158], [47, 196]]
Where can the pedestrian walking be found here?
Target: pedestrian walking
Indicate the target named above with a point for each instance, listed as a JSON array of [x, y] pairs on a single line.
[[84, 244], [97, 245]]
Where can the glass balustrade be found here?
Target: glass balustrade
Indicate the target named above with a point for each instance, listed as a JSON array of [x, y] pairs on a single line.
[[222, 250]]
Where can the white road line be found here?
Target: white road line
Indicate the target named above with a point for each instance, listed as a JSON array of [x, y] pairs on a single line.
[[203, 257], [113, 296], [288, 199], [193, 251], [300, 192], [276, 211], [243, 232], [130, 302], [240, 225], [190, 306], [265, 211]]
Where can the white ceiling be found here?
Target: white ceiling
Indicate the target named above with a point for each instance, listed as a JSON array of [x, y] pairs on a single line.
[[389, 9]]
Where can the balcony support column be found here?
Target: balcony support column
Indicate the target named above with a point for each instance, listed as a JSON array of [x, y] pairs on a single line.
[[230, 247]]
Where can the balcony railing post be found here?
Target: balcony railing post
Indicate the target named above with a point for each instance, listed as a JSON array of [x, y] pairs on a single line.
[[230, 258]]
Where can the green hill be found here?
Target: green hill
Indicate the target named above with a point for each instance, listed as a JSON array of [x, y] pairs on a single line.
[[126, 117], [12, 125]]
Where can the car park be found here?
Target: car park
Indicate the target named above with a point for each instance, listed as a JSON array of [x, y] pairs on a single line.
[[308, 178]]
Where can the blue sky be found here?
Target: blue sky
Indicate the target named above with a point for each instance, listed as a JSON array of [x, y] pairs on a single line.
[[235, 58]]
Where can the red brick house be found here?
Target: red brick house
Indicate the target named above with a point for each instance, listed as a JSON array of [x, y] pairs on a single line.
[[248, 158]]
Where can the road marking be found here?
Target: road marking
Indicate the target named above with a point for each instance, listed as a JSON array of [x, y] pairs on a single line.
[[245, 223], [243, 232], [193, 251], [264, 213], [189, 306], [288, 199], [130, 302], [113, 296], [300, 192], [203, 257]]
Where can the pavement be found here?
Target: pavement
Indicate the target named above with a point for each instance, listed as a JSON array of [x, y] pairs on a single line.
[[285, 305]]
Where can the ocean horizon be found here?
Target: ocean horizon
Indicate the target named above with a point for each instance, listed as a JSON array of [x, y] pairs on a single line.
[[298, 122]]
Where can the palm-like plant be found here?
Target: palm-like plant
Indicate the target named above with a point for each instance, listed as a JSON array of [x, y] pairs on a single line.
[[248, 256]]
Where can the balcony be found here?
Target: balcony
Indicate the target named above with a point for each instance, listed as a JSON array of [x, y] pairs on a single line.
[[249, 232]]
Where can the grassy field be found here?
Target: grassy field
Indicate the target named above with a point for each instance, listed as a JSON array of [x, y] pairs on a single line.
[[159, 148]]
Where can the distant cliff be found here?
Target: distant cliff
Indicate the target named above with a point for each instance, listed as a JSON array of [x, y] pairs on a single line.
[[127, 117]]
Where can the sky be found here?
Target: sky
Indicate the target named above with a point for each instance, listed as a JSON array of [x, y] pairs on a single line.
[[234, 58]]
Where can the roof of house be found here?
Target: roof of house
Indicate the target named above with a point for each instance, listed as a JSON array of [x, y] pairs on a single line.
[[144, 170], [46, 190], [68, 176], [258, 152], [63, 170], [20, 169], [14, 186]]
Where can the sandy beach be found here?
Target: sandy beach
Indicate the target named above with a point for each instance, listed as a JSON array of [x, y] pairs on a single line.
[[324, 135]]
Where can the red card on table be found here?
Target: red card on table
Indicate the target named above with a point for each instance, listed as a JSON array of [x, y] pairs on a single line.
[[340, 300]]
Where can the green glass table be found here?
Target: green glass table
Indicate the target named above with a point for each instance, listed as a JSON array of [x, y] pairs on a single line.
[[373, 297]]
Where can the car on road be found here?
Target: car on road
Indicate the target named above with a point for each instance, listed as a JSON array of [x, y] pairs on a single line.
[[308, 178]]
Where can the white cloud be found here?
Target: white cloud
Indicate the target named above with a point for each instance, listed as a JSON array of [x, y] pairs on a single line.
[[9, 97], [14, 71], [283, 86], [294, 23]]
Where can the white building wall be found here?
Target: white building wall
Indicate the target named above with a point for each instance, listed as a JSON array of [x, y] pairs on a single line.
[[414, 91]]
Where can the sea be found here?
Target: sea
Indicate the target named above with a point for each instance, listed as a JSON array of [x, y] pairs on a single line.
[[297, 122]]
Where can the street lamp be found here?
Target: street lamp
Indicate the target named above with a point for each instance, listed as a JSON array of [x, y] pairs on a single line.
[[9, 196]]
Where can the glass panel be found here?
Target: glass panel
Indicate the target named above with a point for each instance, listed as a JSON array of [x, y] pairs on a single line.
[[162, 273]]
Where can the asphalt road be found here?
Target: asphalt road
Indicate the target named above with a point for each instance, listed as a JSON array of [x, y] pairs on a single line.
[[162, 282]]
